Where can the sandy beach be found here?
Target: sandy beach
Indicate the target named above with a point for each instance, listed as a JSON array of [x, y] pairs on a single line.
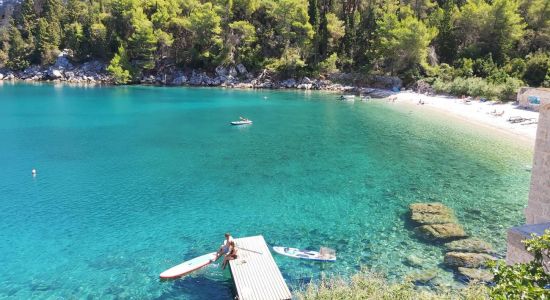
[[490, 114]]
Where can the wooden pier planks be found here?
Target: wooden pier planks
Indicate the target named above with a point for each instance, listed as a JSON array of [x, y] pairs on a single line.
[[255, 272]]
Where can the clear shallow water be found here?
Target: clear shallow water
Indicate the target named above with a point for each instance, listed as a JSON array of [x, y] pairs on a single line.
[[133, 180]]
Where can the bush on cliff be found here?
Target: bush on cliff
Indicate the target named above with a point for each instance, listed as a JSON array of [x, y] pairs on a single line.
[[368, 285], [528, 280]]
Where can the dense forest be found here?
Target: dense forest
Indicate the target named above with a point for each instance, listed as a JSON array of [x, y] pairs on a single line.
[[451, 44]]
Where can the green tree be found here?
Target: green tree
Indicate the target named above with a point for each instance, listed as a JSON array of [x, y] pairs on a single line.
[[119, 67], [446, 41], [27, 19], [489, 29], [537, 68], [404, 43], [142, 44], [17, 52], [47, 43], [204, 25], [74, 37], [98, 37], [241, 37]]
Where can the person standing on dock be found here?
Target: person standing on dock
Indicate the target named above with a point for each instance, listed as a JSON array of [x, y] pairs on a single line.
[[225, 247]]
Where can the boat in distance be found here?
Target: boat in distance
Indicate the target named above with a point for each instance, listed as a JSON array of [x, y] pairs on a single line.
[[241, 122]]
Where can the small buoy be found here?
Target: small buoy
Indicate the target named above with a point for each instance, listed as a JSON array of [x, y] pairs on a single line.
[[33, 172]]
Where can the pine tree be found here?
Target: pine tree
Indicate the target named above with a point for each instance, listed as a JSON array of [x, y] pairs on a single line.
[[18, 52]]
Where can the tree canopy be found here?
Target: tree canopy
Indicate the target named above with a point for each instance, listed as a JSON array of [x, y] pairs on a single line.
[[410, 38]]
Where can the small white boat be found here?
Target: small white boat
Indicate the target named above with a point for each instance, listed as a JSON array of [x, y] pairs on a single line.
[[347, 97], [188, 266], [241, 122], [305, 254]]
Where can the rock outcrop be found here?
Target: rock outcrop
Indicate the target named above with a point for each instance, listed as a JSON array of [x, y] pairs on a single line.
[[431, 213], [468, 260], [437, 221]]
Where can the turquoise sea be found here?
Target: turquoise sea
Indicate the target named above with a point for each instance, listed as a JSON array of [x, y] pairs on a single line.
[[133, 180]]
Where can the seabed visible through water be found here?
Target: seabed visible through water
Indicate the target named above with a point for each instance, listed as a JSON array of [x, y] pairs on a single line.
[[133, 180]]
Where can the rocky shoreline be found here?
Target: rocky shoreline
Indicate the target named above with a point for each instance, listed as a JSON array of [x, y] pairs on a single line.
[[468, 256], [95, 72]]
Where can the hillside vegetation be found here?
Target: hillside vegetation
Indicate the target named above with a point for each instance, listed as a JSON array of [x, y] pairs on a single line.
[[493, 45]]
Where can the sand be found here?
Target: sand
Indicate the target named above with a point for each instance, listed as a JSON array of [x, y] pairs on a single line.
[[490, 114]]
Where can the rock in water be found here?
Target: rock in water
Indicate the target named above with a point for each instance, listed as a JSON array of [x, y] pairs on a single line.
[[423, 276], [431, 213], [414, 261], [476, 274], [468, 260], [470, 245], [445, 231]]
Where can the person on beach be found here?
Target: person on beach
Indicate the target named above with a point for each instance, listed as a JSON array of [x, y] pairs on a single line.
[[224, 248], [232, 254]]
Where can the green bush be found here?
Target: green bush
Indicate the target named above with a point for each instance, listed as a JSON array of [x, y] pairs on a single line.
[[515, 67], [368, 285], [536, 69], [479, 87], [524, 281], [329, 64], [3, 58]]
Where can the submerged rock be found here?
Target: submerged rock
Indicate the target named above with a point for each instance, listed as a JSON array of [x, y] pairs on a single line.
[[423, 276], [470, 245], [414, 261], [445, 231], [476, 274], [431, 213], [468, 260]]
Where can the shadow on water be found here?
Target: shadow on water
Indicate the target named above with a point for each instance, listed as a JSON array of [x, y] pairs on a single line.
[[198, 288]]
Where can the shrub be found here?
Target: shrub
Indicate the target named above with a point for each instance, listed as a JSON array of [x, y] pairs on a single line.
[[479, 87], [368, 285], [329, 64], [465, 68], [515, 68], [3, 58], [536, 68], [524, 281]]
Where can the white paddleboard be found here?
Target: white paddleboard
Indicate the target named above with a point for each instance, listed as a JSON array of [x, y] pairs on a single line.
[[188, 266], [303, 254]]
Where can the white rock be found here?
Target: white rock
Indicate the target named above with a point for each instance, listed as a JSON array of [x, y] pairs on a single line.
[[233, 71], [1, 76], [55, 74]]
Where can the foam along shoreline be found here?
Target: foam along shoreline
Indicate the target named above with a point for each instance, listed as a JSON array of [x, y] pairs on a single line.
[[490, 114]]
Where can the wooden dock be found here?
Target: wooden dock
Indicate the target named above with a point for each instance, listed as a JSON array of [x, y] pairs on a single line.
[[255, 273]]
